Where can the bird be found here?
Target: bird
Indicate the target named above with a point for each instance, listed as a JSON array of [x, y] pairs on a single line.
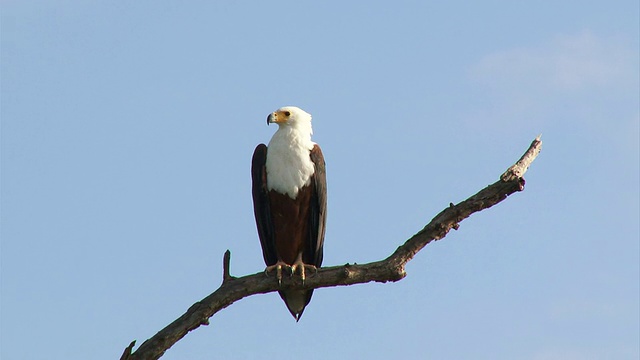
[[289, 191]]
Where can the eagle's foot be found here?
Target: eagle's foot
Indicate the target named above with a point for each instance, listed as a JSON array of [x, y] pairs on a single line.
[[300, 266], [278, 267]]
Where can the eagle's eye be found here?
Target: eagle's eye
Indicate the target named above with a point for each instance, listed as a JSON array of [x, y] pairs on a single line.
[[287, 113]]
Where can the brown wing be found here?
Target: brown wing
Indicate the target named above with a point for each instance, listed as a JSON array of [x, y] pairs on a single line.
[[261, 208], [318, 210]]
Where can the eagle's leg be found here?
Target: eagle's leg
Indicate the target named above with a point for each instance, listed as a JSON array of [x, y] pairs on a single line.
[[300, 265], [278, 267]]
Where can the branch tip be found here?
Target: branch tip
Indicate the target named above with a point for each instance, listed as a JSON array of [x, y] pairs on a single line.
[[127, 352], [226, 264], [517, 170]]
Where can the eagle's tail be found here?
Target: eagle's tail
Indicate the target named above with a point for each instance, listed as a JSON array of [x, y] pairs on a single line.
[[296, 301]]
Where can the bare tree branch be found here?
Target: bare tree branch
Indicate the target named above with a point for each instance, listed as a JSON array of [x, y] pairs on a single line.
[[389, 269]]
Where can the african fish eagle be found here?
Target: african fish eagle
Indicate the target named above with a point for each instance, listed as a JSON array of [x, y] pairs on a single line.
[[290, 201]]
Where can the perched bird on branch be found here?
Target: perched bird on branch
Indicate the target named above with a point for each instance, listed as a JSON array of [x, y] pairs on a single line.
[[290, 201]]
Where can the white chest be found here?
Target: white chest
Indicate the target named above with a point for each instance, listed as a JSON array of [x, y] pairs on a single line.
[[289, 166]]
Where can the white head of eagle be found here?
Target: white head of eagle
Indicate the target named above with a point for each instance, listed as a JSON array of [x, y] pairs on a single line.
[[289, 167]]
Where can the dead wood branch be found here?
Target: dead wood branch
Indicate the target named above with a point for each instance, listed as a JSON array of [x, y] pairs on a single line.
[[389, 269]]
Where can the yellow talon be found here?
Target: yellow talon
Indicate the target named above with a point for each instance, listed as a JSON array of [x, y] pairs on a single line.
[[278, 267]]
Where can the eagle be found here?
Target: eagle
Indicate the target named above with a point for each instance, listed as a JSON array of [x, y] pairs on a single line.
[[289, 191]]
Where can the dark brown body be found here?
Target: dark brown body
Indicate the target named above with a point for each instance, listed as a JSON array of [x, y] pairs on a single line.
[[291, 225]]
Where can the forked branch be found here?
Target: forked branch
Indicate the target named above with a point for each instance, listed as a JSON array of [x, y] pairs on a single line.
[[389, 269]]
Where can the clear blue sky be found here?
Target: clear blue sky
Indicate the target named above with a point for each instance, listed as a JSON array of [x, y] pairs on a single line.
[[127, 133]]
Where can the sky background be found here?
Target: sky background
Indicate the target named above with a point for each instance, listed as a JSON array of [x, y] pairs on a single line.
[[127, 133]]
